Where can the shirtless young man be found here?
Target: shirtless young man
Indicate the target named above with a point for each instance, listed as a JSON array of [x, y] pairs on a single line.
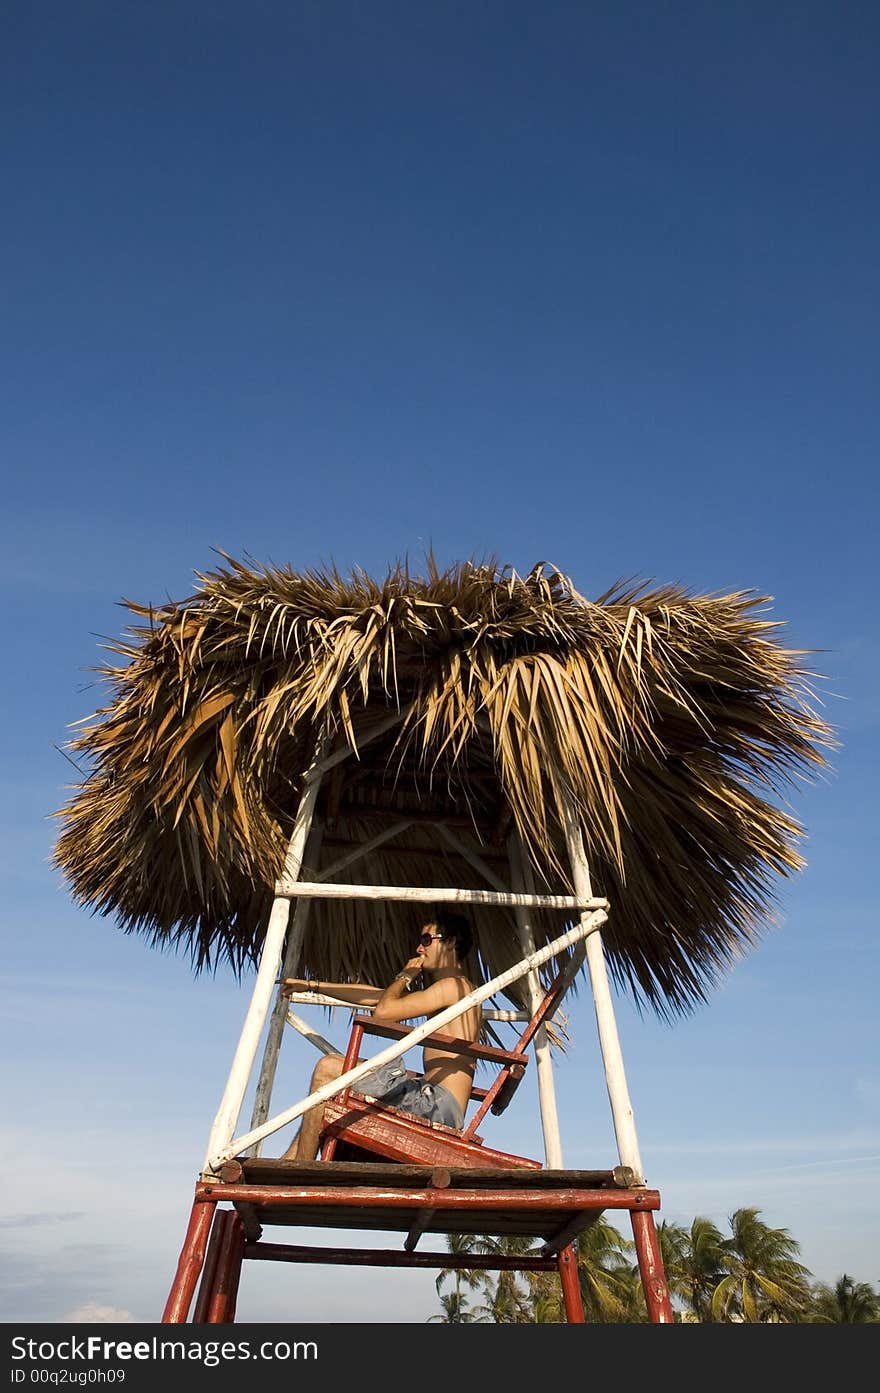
[[442, 1092]]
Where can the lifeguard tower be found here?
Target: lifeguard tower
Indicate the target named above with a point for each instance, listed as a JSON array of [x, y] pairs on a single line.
[[294, 768]]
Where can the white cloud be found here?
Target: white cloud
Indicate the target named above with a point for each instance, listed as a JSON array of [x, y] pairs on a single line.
[[93, 1314], [23, 1221]]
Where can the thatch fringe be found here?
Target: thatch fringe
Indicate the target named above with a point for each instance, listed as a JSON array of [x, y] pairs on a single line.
[[675, 723]]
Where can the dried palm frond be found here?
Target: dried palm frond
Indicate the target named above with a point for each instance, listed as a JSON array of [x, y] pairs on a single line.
[[673, 723]]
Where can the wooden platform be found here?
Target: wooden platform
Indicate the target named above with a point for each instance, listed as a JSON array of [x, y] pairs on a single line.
[[553, 1205]]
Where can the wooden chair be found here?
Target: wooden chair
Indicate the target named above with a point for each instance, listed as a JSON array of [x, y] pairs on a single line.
[[359, 1128]]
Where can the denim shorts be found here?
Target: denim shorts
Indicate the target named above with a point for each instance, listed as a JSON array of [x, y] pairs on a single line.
[[395, 1086]]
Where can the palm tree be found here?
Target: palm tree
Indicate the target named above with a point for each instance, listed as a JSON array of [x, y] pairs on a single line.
[[605, 1275], [459, 1244], [847, 1301], [455, 1311], [694, 1263], [605, 1272], [506, 1301], [631, 1293], [763, 1280]]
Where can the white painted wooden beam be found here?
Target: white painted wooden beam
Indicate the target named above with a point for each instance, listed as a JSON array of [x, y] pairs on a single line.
[[609, 1041], [364, 849], [437, 894], [339, 756], [521, 879], [472, 857], [490, 1013], [267, 973], [313, 1038], [275, 1034]]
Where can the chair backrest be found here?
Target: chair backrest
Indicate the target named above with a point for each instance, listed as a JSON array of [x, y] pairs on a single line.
[[511, 1063]]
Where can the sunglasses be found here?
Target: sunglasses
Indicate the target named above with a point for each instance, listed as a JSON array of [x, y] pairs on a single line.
[[427, 939]]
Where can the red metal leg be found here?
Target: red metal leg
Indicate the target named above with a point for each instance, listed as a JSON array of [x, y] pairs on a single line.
[[221, 1305], [238, 1241], [571, 1287], [651, 1268], [209, 1271], [189, 1264]]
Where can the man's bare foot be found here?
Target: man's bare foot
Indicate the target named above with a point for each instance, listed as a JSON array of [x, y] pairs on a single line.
[[292, 1151]]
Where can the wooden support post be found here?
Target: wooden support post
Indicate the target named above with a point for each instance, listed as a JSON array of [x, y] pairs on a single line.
[[568, 1232], [356, 853], [651, 1268], [571, 1287], [221, 1307], [239, 1240], [306, 1031], [521, 883], [189, 1264], [209, 1271], [441, 1180], [278, 1020], [609, 1041], [417, 1228], [223, 1129], [521, 880], [296, 935], [473, 858], [324, 765]]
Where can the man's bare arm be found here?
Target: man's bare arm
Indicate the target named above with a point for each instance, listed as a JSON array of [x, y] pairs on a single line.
[[397, 1004], [357, 993]]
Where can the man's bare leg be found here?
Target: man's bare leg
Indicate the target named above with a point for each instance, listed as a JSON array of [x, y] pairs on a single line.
[[304, 1146]]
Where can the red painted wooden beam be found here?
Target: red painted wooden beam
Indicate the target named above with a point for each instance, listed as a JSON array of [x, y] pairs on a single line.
[[382, 1257], [376, 1197], [651, 1269], [571, 1287], [209, 1271], [221, 1307], [192, 1256]]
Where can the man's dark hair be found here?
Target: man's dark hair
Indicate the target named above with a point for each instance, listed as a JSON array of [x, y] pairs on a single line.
[[456, 927]]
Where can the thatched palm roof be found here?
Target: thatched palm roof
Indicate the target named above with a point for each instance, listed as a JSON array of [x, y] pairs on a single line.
[[675, 723]]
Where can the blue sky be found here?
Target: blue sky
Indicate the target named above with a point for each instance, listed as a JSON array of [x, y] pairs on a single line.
[[593, 284]]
